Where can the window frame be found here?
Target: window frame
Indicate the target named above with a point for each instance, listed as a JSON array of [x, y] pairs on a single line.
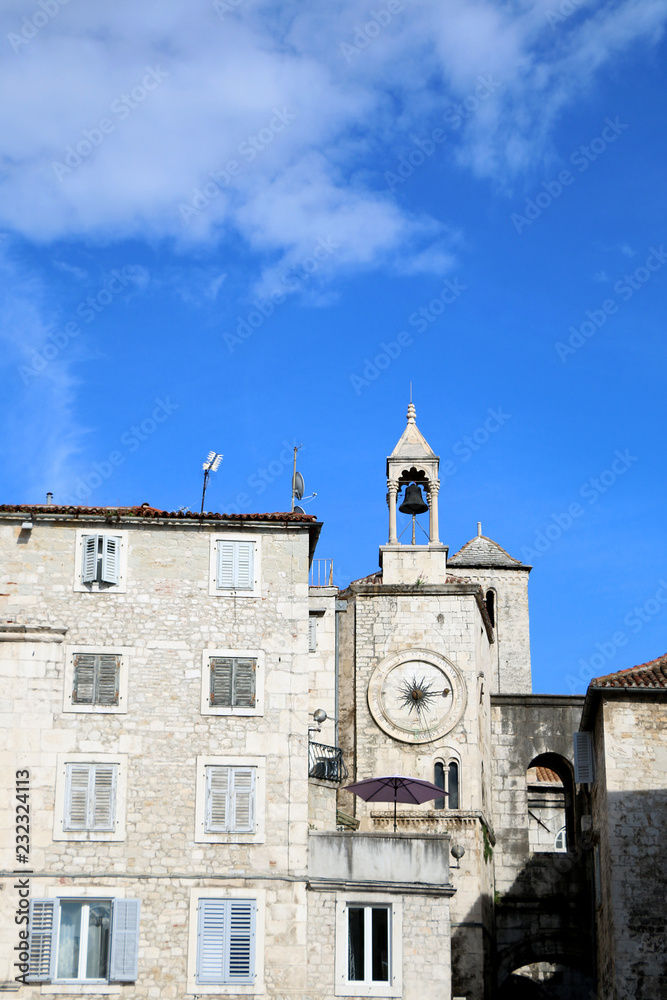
[[345, 987], [124, 652], [446, 758], [95, 586], [252, 654], [235, 536], [88, 894], [60, 829], [234, 988], [254, 836]]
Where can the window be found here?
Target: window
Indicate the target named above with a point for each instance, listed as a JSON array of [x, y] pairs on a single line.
[[446, 776], [101, 561], [84, 940], [368, 947], [96, 679], [234, 565], [232, 682], [312, 634], [226, 941], [90, 797], [230, 799], [439, 781], [560, 843], [453, 784], [491, 607]]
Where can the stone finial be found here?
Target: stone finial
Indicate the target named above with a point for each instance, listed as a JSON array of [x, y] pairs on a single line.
[[412, 413]]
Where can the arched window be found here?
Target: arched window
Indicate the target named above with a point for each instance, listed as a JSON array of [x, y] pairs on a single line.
[[439, 780], [453, 785], [446, 776], [491, 606], [560, 843]]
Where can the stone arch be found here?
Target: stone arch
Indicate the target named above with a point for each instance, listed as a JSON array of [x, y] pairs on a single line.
[[563, 948], [562, 767]]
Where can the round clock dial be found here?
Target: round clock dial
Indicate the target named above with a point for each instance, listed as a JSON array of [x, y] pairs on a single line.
[[416, 696]]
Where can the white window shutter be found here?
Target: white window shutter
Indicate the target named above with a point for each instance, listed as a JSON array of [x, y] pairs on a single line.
[[312, 634], [104, 797], [217, 799], [42, 927], [125, 941], [77, 796], [108, 669], [110, 558], [211, 938], [244, 683], [584, 766], [84, 679], [243, 779], [221, 681], [245, 569], [89, 558], [225, 570]]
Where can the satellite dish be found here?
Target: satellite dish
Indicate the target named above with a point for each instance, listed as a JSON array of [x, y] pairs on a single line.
[[298, 510], [299, 487]]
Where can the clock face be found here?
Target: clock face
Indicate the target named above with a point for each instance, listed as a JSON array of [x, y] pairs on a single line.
[[416, 696]]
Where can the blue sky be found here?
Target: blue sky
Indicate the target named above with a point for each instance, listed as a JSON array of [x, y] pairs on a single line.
[[243, 225]]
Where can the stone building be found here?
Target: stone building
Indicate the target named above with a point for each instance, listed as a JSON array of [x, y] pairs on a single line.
[[183, 709]]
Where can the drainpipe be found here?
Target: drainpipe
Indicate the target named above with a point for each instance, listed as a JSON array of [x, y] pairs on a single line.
[[340, 606]]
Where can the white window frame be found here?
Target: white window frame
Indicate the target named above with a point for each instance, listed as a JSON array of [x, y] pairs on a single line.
[[253, 654], [353, 988], [71, 988], [235, 536], [224, 989], [124, 652], [59, 820], [256, 836], [561, 836], [96, 587]]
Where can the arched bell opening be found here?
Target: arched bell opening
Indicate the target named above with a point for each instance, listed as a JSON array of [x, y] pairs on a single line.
[[413, 493]]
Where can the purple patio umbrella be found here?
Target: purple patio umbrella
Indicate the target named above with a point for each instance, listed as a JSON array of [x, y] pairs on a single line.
[[395, 788]]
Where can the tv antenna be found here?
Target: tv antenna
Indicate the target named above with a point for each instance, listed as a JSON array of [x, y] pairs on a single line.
[[299, 487], [211, 464]]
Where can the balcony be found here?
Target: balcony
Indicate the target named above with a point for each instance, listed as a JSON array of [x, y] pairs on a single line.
[[321, 573], [326, 763]]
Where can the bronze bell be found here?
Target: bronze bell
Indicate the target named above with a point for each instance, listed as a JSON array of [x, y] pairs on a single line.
[[413, 502]]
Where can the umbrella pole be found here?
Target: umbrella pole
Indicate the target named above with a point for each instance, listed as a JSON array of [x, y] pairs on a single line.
[[394, 809]]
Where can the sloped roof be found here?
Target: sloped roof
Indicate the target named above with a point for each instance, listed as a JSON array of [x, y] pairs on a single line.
[[412, 443], [146, 511], [647, 675], [543, 776], [483, 552]]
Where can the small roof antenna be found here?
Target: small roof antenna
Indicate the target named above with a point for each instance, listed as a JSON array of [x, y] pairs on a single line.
[[211, 464], [298, 486], [411, 392]]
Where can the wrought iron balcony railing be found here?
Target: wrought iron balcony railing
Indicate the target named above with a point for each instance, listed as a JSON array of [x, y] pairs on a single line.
[[326, 763]]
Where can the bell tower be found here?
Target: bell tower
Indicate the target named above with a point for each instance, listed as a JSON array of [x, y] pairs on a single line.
[[413, 466]]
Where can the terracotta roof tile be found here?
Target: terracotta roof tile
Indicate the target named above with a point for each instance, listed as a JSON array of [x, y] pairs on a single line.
[[153, 513], [543, 775], [647, 675]]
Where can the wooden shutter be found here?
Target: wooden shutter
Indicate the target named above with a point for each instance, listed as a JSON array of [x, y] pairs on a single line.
[[245, 579], [101, 815], [584, 767], [108, 670], [226, 941], [84, 679], [42, 929], [312, 634], [235, 569], [221, 681], [217, 799], [125, 941], [110, 558], [89, 559], [77, 796], [244, 683], [242, 793], [225, 573]]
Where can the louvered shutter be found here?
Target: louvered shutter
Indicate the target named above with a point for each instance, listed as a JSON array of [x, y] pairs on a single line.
[[104, 797], [584, 768], [217, 799], [110, 558], [84, 679], [108, 669], [225, 574], [241, 941], [243, 798], [312, 634], [244, 683], [89, 558], [244, 570], [125, 941], [42, 928], [221, 681], [226, 941], [213, 918], [77, 796]]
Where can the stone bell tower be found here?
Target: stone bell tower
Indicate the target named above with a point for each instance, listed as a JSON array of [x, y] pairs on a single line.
[[413, 461]]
